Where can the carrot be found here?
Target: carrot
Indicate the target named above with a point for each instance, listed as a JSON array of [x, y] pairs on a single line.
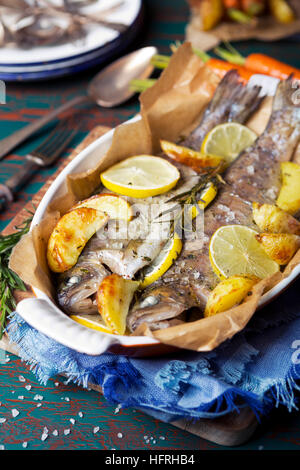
[[220, 67], [231, 3], [259, 63], [253, 7]]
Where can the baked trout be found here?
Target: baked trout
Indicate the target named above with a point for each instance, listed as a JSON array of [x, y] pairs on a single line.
[[125, 254], [253, 177]]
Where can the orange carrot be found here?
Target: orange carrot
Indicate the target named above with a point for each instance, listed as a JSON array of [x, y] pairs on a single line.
[[231, 3], [220, 67], [253, 7], [259, 63]]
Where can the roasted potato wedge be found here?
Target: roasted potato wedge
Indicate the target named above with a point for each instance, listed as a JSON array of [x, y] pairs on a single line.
[[280, 247], [114, 206], [227, 294], [289, 196], [270, 218], [70, 236], [282, 11], [196, 160], [113, 300]]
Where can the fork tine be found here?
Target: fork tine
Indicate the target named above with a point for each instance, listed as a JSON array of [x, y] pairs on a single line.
[[51, 145], [57, 140], [60, 126]]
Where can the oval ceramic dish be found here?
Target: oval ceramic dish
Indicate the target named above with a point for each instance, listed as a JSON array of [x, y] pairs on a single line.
[[42, 314]]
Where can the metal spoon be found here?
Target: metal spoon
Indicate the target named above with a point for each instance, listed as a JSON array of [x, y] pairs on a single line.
[[108, 88]]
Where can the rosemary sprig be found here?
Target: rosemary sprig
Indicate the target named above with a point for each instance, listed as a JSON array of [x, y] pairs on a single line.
[[189, 198], [9, 280]]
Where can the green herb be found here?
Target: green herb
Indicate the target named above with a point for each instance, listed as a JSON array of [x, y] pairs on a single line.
[[190, 198], [9, 280]]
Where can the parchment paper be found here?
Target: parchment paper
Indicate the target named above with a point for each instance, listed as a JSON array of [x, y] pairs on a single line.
[[169, 109], [264, 28]]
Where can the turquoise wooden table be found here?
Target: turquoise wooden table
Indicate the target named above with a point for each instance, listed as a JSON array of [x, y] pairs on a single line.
[[60, 415]]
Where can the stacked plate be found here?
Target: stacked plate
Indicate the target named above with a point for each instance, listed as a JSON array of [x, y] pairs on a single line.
[[98, 45]]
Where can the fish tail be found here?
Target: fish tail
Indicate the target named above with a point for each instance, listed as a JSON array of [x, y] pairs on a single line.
[[232, 101]]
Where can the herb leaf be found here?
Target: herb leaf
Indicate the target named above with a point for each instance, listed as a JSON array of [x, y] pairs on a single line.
[[9, 280]]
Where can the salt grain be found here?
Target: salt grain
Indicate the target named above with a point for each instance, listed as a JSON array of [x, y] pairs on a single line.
[[67, 431], [21, 378], [38, 397], [55, 432], [38, 405], [162, 438], [120, 435], [56, 384], [15, 412], [2, 447], [44, 436], [2, 420], [21, 397], [28, 387], [80, 414], [24, 445], [72, 421], [67, 398], [96, 429]]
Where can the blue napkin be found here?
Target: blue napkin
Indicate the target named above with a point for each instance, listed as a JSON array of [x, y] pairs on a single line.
[[259, 367]]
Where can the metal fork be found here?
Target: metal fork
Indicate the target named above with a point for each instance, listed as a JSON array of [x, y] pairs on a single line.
[[42, 156]]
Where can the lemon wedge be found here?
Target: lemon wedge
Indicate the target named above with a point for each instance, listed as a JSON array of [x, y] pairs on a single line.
[[91, 321], [141, 176], [234, 251], [162, 262], [228, 140], [206, 197]]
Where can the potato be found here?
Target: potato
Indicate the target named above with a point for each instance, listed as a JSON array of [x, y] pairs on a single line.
[[289, 196], [112, 205], [113, 299], [270, 218], [227, 294], [282, 11], [189, 157], [70, 236], [280, 247]]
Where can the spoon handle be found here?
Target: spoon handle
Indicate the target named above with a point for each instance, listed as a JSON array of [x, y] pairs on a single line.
[[13, 140]]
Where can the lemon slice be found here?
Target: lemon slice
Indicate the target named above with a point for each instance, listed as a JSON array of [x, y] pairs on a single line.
[[234, 251], [228, 140], [162, 262], [206, 197], [91, 321], [141, 176]]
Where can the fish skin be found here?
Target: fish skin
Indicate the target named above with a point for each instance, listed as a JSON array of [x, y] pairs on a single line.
[[253, 177], [77, 286], [232, 102]]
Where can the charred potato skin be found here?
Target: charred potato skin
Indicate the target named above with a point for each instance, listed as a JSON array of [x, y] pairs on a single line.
[[70, 236], [227, 294], [270, 218], [279, 246]]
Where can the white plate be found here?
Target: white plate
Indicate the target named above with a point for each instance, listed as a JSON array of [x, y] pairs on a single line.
[[96, 37], [45, 316]]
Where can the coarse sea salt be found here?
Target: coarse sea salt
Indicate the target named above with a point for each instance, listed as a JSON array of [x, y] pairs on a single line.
[[55, 432], [72, 421], [44, 436], [15, 412], [67, 431]]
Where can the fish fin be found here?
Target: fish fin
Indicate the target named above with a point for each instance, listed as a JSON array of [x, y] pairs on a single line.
[[287, 95]]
